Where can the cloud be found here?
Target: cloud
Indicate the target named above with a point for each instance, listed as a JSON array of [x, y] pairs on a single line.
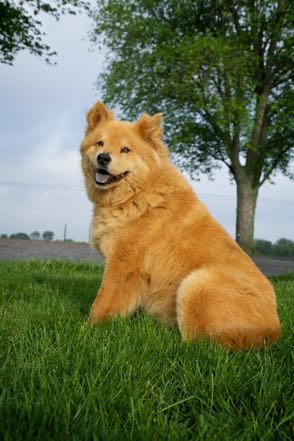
[[53, 193]]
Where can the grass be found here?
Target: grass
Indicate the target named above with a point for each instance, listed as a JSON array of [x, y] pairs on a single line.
[[130, 379]]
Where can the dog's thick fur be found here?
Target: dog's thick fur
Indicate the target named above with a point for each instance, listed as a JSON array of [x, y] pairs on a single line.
[[164, 252]]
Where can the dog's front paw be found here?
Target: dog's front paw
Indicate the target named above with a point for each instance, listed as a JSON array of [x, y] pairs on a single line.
[[91, 320], [97, 316]]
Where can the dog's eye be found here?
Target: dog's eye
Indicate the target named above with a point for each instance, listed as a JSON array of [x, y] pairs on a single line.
[[125, 150], [100, 143]]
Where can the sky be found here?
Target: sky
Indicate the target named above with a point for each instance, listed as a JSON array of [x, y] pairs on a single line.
[[42, 122]]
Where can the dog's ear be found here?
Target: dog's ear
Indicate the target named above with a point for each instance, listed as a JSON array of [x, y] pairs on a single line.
[[150, 127], [96, 115]]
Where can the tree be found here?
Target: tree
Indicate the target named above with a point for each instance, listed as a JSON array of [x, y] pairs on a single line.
[[35, 235], [281, 248], [284, 248], [21, 28], [221, 71], [20, 236], [48, 235], [264, 247], [4, 236]]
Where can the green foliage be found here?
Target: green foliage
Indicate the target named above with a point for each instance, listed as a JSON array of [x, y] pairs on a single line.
[[48, 235], [19, 236], [221, 71], [284, 248], [21, 27], [281, 248], [264, 247], [4, 236], [130, 379]]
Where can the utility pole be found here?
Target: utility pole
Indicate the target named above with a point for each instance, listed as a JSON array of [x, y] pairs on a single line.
[[64, 235], [90, 231]]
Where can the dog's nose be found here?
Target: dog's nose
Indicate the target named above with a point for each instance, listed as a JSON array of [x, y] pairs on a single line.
[[103, 158]]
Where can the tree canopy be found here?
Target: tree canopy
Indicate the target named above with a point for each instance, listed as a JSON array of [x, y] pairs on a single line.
[[281, 248], [35, 235], [23, 236], [222, 73], [48, 235], [21, 27]]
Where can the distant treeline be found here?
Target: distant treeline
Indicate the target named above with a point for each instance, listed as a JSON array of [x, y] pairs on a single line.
[[282, 248], [35, 235]]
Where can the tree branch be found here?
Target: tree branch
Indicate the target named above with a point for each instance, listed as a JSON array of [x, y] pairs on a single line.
[[274, 165]]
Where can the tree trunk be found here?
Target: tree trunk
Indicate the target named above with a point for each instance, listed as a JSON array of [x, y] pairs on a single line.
[[246, 205]]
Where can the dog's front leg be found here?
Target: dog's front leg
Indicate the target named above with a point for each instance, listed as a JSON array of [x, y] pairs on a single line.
[[120, 294]]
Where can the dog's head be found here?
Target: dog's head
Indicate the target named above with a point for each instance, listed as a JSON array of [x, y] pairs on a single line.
[[116, 152]]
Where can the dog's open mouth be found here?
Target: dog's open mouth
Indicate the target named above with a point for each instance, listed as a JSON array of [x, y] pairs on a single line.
[[102, 177]]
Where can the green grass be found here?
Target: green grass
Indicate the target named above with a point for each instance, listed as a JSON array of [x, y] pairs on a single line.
[[130, 379]]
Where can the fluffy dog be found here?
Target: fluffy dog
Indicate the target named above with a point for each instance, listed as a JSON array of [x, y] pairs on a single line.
[[164, 252]]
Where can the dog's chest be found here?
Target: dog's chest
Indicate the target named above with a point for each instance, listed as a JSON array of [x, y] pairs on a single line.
[[111, 224]]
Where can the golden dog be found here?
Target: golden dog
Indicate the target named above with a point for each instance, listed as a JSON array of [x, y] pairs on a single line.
[[164, 252]]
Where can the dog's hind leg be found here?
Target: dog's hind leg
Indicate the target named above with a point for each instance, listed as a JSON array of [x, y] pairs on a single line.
[[231, 311]]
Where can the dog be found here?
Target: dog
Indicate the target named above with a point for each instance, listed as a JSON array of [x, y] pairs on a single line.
[[164, 251]]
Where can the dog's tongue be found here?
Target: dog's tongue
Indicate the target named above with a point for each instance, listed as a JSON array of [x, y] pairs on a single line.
[[101, 177]]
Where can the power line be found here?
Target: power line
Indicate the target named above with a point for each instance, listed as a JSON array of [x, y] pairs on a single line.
[[287, 201], [37, 185], [66, 187]]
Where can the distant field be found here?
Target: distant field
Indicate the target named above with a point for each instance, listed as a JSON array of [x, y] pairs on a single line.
[[17, 249], [131, 379]]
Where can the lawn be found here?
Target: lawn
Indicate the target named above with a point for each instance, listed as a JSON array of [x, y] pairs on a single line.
[[130, 379]]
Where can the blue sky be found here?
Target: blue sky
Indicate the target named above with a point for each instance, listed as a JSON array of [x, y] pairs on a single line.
[[42, 121]]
